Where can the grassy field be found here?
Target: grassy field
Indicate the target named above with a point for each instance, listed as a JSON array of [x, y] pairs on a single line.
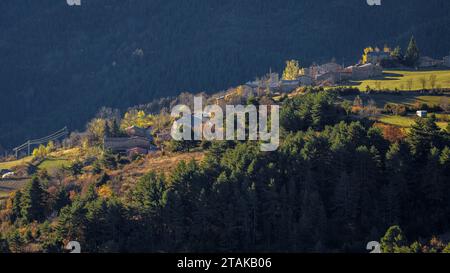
[[398, 79], [405, 121], [403, 98], [52, 164], [11, 164], [400, 121], [55, 160]]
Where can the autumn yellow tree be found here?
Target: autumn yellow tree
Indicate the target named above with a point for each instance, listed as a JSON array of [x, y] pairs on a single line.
[[137, 118], [292, 70], [96, 129], [40, 152], [105, 191], [50, 147], [367, 50]]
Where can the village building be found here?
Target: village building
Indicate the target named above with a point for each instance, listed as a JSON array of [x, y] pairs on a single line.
[[365, 71], [446, 61], [345, 74], [138, 131], [376, 57], [245, 92], [139, 141], [422, 113], [271, 81], [321, 72], [289, 85], [329, 67], [429, 62], [330, 77], [304, 80]]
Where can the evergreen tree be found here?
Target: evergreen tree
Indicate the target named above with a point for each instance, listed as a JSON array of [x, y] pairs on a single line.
[[412, 53], [71, 223], [33, 201], [313, 219], [16, 206], [62, 200], [114, 130], [423, 135], [397, 192], [148, 195]]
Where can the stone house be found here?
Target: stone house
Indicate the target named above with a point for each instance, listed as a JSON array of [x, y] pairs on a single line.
[[376, 57], [429, 62], [365, 71], [139, 141]]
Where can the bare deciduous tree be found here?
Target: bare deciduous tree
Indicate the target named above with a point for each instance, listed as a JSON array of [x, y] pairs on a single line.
[[409, 84], [433, 81], [423, 83], [378, 85]]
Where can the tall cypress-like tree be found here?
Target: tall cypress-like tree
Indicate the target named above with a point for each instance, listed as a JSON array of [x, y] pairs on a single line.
[[16, 206], [412, 53], [33, 201]]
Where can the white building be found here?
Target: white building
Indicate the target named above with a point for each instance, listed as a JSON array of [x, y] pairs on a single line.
[[422, 113]]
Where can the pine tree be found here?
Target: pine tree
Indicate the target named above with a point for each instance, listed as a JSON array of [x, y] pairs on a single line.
[[72, 222], [412, 53], [107, 131], [423, 135], [114, 129], [16, 206], [344, 206], [313, 218], [33, 201], [15, 241], [148, 195], [62, 200], [432, 191], [397, 192]]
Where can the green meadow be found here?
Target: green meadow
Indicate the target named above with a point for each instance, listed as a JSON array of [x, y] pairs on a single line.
[[407, 80]]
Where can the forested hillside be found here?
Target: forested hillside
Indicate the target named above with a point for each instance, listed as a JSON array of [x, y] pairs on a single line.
[[336, 182], [59, 64]]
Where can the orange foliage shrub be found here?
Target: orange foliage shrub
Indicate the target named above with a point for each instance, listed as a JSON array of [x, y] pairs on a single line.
[[105, 191], [390, 132]]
